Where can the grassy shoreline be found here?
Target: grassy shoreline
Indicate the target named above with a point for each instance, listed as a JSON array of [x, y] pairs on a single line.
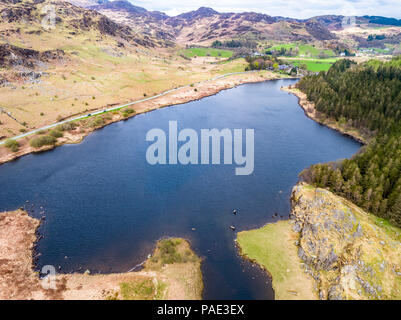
[[278, 257]]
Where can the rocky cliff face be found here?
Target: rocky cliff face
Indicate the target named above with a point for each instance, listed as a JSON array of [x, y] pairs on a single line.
[[349, 253], [12, 56]]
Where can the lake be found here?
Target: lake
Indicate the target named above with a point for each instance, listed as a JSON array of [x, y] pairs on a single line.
[[106, 206]]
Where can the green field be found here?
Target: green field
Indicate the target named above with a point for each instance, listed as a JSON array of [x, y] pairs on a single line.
[[306, 50], [314, 65], [207, 52]]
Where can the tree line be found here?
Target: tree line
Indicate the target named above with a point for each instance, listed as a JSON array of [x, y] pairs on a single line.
[[368, 98]]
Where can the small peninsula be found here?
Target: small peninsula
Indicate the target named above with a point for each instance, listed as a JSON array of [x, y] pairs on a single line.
[[329, 249], [172, 272]]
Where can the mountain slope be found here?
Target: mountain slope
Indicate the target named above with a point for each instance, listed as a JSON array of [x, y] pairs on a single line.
[[205, 25], [149, 23]]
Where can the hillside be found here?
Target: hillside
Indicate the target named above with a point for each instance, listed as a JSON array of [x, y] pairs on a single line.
[[150, 23], [205, 25], [86, 62], [365, 98]]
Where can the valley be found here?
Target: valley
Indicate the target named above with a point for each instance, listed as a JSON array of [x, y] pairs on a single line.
[[88, 78]]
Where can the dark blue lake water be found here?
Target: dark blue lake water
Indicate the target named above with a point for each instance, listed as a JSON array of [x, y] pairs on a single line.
[[106, 206]]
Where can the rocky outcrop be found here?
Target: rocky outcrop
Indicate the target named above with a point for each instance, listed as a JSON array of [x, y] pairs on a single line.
[[11, 56], [77, 19], [349, 253], [319, 31]]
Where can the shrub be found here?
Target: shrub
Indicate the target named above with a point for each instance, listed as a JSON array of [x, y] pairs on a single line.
[[12, 145], [67, 126], [128, 111], [98, 121], [42, 141], [56, 133]]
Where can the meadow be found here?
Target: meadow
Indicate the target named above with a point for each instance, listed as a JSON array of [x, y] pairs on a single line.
[[207, 52]]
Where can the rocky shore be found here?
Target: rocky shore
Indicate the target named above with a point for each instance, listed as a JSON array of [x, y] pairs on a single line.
[[172, 272], [311, 112]]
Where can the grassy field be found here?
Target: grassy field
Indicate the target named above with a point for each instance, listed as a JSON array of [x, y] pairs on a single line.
[[273, 248], [207, 52], [305, 50], [314, 65]]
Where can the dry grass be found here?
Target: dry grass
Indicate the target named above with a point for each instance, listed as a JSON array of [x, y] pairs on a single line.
[[176, 280]]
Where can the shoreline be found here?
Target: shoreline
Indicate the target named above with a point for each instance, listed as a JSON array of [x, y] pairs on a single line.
[[310, 112], [287, 283], [161, 276], [343, 254], [177, 97]]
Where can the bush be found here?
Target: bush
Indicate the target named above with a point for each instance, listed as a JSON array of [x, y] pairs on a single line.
[[128, 111], [42, 141], [98, 121], [56, 133], [67, 126], [12, 145]]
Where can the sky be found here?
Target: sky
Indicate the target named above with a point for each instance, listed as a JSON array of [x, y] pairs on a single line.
[[288, 8]]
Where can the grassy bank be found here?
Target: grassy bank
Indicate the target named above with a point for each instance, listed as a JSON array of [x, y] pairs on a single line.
[[331, 249], [272, 247]]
